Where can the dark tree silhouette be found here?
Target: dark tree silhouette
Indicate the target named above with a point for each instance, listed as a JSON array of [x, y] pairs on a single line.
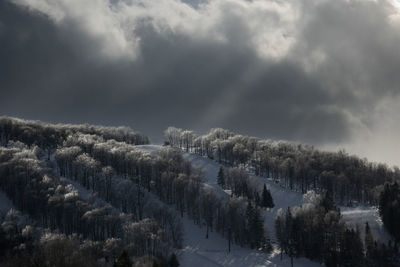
[[266, 198], [221, 177]]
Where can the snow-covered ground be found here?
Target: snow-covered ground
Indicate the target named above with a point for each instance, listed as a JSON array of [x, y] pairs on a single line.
[[153, 149], [284, 198], [354, 216], [199, 251]]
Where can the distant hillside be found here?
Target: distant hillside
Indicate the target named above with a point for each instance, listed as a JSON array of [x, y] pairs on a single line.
[[296, 166], [92, 196], [83, 195]]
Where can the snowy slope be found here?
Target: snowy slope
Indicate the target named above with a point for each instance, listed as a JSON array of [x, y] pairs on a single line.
[[199, 251], [354, 216], [284, 198], [202, 251], [153, 149], [210, 170]]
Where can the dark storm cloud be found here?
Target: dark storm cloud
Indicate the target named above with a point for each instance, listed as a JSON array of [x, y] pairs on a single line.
[[315, 90], [285, 102]]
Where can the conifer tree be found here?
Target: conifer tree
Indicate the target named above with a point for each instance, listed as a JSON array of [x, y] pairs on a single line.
[[221, 177], [369, 241], [255, 227], [257, 199], [123, 260], [389, 209], [327, 202], [173, 261], [266, 199]]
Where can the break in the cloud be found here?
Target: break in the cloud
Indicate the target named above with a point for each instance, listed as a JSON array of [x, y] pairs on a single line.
[[316, 71]]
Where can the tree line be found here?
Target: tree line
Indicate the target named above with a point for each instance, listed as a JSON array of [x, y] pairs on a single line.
[[241, 184], [166, 175], [346, 178], [54, 204], [41, 166], [295, 166], [318, 232], [22, 243], [389, 209], [48, 136]]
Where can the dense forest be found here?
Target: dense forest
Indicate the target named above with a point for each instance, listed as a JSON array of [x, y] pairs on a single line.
[[93, 195], [92, 190], [295, 166], [318, 231]]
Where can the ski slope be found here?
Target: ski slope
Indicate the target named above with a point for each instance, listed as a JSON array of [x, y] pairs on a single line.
[[198, 251], [354, 216], [284, 198]]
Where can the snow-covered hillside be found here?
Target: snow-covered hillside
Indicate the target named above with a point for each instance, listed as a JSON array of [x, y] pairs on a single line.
[[354, 216], [199, 251], [284, 198]]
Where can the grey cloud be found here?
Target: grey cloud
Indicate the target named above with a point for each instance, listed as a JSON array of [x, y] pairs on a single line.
[[360, 45], [54, 71]]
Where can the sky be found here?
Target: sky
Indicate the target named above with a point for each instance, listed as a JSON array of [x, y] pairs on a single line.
[[320, 72]]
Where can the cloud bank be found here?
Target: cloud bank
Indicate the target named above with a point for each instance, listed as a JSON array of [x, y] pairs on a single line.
[[316, 71]]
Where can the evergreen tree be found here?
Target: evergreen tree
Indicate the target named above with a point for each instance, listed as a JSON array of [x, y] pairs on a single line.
[[266, 198], [221, 177], [327, 202], [368, 241], [351, 249], [289, 237], [249, 212], [255, 227], [173, 261], [123, 260], [389, 209], [257, 199]]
